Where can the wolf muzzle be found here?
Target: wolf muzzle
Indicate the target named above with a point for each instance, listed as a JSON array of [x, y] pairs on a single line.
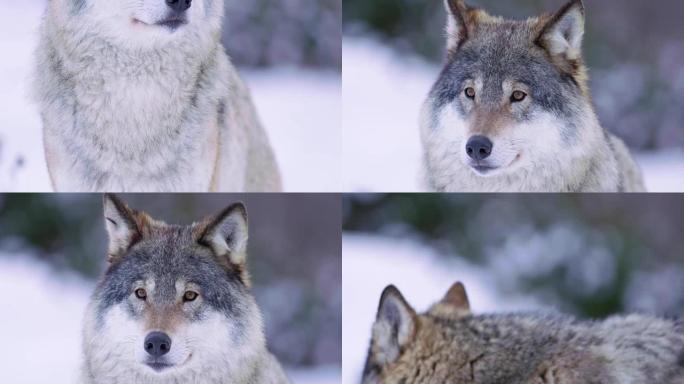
[[179, 6], [479, 147], [157, 344]]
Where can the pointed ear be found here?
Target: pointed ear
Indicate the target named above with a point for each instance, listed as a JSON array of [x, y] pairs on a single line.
[[457, 27], [457, 298], [122, 225], [453, 305], [394, 327], [226, 234], [562, 34]]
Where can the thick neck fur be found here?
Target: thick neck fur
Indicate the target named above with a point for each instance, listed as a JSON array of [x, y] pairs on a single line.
[[136, 110]]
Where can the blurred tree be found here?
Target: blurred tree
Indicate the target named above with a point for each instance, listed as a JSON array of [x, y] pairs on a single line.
[[284, 32], [589, 254]]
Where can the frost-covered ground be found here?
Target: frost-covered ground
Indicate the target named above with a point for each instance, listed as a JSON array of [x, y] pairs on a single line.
[[41, 326], [299, 108], [383, 91], [370, 263]]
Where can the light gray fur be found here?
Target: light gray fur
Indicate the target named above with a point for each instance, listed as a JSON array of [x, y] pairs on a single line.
[[171, 115], [558, 138]]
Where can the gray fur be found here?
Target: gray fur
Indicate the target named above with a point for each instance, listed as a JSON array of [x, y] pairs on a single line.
[[220, 331], [495, 53], [168, 115], [461, 348]]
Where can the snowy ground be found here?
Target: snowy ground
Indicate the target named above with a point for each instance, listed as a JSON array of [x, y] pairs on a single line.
[[300, 109], [41, 326], [370, 263], [383, 91]]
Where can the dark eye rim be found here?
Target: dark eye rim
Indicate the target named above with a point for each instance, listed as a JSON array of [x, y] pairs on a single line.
[[523, 96], [466, 93], [141, 293], [192, 296]]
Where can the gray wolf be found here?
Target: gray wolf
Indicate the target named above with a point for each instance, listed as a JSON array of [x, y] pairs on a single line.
[[511, 110], [174, 305], [139, 95], [449, 344]]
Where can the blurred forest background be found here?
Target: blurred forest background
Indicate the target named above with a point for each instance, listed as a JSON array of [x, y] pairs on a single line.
[[266, 33], [294, 255], [591, 255], [634, 49]]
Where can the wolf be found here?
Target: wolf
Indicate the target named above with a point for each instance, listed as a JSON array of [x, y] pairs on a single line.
[[174, 305], [511, 110], [139, 95], [449, 344]]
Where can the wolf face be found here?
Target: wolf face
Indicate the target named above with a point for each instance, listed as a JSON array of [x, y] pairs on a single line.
[[174, 300], [143, 23], [512, 95], [395, 354]]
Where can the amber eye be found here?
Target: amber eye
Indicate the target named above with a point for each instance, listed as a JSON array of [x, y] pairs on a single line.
[[190, 296], [470, 92], [518, 96], [141, 294]]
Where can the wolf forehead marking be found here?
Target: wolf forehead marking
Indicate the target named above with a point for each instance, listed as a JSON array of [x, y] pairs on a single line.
[[499, 57]]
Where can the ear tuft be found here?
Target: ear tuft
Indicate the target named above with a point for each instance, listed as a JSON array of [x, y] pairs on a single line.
[[226, 234], [394, 327], [122, 227], [562, 34]]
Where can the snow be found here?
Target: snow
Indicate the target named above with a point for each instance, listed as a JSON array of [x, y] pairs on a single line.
[[41, 325], [370, 263], [300, 109], [383, 91]]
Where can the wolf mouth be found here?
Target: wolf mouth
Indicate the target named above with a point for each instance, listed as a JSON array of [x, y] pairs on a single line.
[[484, 169], [158, 366], [170, 24]]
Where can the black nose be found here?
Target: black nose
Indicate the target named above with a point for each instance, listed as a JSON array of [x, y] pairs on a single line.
[[179, 5], [157, 344], [479, 147]]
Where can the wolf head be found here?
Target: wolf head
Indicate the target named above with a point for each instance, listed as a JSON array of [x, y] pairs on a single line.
[[512, 93], [174, 300], [410, 348], [143, 23]]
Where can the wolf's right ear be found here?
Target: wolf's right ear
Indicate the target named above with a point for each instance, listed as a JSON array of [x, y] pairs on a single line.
[[122, 227], [226, 234], [394, 327], [459, 26]]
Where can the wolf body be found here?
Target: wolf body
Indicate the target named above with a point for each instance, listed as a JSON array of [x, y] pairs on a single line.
[[174, 305], [139, 95], [448, 344], [511, 110]]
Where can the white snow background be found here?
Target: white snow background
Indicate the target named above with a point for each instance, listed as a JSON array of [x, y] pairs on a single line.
[[383, 91], [42, 313], [370, 263], [299, 108]]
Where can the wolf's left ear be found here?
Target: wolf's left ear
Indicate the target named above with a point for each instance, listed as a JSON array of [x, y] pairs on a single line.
[[562, 34], [394, 327], [123, 227], [226, 234]]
